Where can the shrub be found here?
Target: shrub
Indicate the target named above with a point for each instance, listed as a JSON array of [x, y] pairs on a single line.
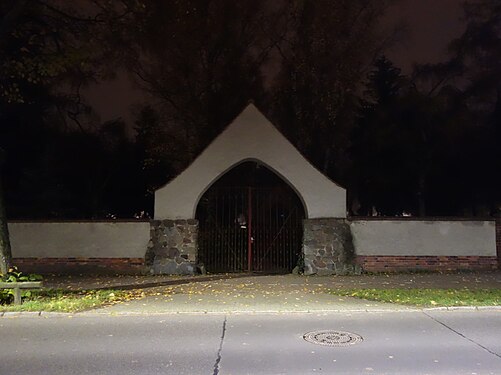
[[12, 276]]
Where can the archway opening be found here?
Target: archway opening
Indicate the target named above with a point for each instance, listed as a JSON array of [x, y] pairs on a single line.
[[250, 220]]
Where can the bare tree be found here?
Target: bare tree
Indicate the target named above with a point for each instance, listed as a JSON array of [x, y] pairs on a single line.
[[324, 57]]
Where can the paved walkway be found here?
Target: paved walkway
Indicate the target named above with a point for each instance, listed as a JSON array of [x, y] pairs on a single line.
[[253, 293], [263, 294], [478, 280]]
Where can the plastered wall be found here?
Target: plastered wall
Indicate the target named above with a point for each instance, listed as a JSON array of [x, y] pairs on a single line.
[[424, 238], [79, 239]]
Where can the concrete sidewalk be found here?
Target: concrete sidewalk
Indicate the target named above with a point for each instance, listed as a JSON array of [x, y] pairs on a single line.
[[241, 293], [255, 294], [471, 280], [287, 293]]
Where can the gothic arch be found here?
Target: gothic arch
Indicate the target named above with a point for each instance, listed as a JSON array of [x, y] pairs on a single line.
[[263, 164], [250, 137]]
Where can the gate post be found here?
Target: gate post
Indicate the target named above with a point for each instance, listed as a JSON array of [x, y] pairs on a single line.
[[328, 247], [173, 247]]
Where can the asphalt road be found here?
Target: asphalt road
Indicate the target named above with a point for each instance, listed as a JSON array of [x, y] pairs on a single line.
[[403, 342]]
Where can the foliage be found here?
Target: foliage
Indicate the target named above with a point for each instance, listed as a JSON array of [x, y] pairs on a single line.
[[45, 45], [202, 61], [427, 297], [324, 50], [14, 275], [198, 61], [408, 151], [11, 276], [82, 184], [160, 150], [6, 296], [470, 82], [58, 300], [422, 145]]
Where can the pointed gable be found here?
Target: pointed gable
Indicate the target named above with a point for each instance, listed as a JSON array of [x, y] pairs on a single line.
[[250, 137]]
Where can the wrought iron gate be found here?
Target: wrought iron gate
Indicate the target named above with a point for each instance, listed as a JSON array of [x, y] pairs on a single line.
[[250, 229]]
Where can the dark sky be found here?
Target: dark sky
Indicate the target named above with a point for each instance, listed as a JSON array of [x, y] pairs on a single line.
[[431, 24]]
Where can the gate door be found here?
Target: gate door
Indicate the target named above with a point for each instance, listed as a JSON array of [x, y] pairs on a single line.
[[250, 229]]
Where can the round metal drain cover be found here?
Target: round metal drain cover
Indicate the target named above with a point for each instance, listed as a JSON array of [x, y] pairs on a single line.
[[332, 338]]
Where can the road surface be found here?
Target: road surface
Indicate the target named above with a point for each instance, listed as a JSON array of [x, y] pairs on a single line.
[[399, 342]]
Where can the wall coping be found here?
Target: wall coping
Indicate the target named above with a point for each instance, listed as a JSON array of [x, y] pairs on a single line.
[[416, 218], [76, 221]]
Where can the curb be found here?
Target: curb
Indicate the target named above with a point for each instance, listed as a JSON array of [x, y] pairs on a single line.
[[238, 312], [463, 308], [49, 314], [33, 314]]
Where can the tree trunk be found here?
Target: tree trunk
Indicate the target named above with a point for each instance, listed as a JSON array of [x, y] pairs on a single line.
[[5, 251]]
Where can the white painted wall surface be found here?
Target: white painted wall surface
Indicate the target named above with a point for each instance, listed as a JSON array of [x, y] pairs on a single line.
[[79, 239], [407, 237], [250, 137]]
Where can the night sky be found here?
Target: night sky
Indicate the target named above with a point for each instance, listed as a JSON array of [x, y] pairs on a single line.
[[323, 73], [431, 25]]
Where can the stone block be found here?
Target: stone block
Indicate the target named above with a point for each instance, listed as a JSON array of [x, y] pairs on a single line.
[[308, 268], [165, 267], [325, 272], [186, 268], [161, 252], [173, 253], [168, 223], [319, 264]]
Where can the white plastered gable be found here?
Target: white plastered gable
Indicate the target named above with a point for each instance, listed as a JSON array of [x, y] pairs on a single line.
[[250, 137]]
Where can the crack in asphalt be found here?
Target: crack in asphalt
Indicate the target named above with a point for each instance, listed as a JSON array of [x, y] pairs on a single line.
[[218, 358], [463, 336]]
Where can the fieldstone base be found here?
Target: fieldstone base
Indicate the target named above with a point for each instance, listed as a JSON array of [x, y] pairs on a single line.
[[172, 249], [328, 248]]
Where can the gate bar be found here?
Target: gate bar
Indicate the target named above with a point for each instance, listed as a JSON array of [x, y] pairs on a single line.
[[249, 231]]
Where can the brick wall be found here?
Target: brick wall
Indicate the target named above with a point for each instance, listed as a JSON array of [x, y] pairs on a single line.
[[375, 263], [82, 265]]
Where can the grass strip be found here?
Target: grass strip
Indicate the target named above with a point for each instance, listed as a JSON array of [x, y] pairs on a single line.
[[427, 297], [60, 300]]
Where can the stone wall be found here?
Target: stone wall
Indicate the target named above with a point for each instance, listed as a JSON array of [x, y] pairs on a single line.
[[173, 247], [328, 247]]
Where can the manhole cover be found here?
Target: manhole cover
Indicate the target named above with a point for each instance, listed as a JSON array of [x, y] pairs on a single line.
[[332, 338]]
